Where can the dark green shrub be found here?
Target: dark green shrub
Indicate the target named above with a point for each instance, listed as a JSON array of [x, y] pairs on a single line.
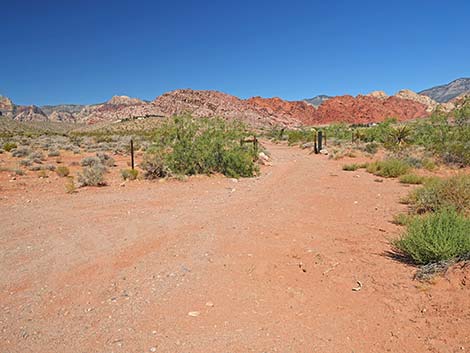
[[435, 237], [187, 146], [8, 146], [237, 163]]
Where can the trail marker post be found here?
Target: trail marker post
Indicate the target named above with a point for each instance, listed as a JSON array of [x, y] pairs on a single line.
[[132, 154], [320, 140]]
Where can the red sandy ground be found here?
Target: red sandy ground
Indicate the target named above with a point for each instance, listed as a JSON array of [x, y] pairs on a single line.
[[269, 263]]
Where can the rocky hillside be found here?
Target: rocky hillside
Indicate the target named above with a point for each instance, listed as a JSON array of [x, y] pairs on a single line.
[[366, 109], [255, 111], [445, 93], [19, 112]]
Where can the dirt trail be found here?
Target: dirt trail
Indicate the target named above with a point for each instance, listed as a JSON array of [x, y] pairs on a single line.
[[267, 264]]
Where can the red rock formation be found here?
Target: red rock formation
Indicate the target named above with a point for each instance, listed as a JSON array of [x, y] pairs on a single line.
[[298, 112], [366, 109], [256, 111]]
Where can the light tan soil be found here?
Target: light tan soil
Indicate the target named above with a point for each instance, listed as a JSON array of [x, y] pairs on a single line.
[[268, 264]]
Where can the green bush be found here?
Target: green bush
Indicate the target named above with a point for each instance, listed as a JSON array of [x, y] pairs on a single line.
[[8, 146], [402, 219], [300, 136], [435, 237], [411, 179], [388, 168], [129, 174], [91, 176], [62, 171], [438, 193], [448, 140], [187, 146], [351, 167]]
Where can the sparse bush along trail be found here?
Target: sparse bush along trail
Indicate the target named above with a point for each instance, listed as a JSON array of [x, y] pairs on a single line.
[[212, 264]]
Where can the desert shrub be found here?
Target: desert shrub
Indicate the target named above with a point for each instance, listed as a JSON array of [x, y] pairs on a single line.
[[388, 168], [277, 134], [350, 167], [428, 164], [187, 146], [8, 146], [411, 179], [105, 159], [19, 171], [154, 166], [449, 141], [435, 237], [300, 136], [437, 194], [26, 162], [70, 187], [90, 161], [35, 168], [62, 171], [20, 151], [129, 174], [378, 133], [2, 151], [50, 167], [339, 131], [237, 163], [402, 219], [371, 147], [92, 175], [53, 153], [42, 174]]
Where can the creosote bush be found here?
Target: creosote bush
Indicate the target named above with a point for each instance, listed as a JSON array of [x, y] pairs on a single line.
[[8, 146], [187, 146], [411, 179], [388, 168], [438, 193], [435, 237]]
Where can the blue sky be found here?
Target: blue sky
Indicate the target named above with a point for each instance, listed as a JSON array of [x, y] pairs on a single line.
[[86, 51]]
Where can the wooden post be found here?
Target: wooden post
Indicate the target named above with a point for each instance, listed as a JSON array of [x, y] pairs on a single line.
[[320, 140], [255, 144], [324, 137], [132, 154]]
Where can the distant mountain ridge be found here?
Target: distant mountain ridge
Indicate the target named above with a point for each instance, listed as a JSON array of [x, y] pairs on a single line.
[[447, 92], [317, 100], [255, 111]]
